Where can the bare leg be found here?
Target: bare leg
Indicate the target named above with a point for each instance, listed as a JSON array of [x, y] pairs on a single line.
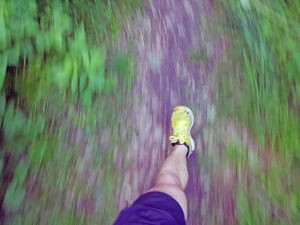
[[173, 177]]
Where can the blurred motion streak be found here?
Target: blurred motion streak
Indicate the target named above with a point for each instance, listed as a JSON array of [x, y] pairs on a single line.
[[87, 89]]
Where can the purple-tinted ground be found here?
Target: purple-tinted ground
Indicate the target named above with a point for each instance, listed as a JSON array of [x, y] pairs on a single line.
[[176, 60]]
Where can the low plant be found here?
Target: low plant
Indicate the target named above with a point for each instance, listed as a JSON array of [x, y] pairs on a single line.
[[261, 90], [54, 56]]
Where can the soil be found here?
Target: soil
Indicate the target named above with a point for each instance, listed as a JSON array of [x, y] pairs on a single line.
[[176, 59]]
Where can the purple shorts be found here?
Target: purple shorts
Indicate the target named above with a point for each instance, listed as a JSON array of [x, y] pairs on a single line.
[[152, 208]]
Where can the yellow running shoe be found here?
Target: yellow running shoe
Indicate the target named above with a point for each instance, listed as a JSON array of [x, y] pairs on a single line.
[[182, 120]]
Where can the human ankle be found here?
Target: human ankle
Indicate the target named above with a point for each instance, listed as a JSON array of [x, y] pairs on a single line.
[[181, 148]]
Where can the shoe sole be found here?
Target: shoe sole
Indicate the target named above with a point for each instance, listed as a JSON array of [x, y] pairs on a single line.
[[192, 148]]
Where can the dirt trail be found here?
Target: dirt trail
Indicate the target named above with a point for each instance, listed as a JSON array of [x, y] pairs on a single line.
[[167, 35]]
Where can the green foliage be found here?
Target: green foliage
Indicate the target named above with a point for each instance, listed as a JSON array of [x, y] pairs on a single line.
[[2, 107], [14, 197], [251, 209], [40, 152], [121, 66], [270, 56], [240, 158], [15, 193], [18, 131], [98, 25], [244, 210], [3, 64], [61, 218], [262, 92], [262, 197], [57, 44], [13, 123], [54, 56]]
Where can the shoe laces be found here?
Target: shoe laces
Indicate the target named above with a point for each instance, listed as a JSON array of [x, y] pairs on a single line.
[[180, 133]]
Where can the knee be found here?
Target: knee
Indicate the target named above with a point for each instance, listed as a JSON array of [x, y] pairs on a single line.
[[167, 178], [170, 179]]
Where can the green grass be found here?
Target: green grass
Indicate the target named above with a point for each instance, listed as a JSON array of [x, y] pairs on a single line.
[[260, 89], [267, 77]]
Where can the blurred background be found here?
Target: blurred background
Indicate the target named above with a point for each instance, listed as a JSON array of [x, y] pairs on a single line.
[[88, 87]]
